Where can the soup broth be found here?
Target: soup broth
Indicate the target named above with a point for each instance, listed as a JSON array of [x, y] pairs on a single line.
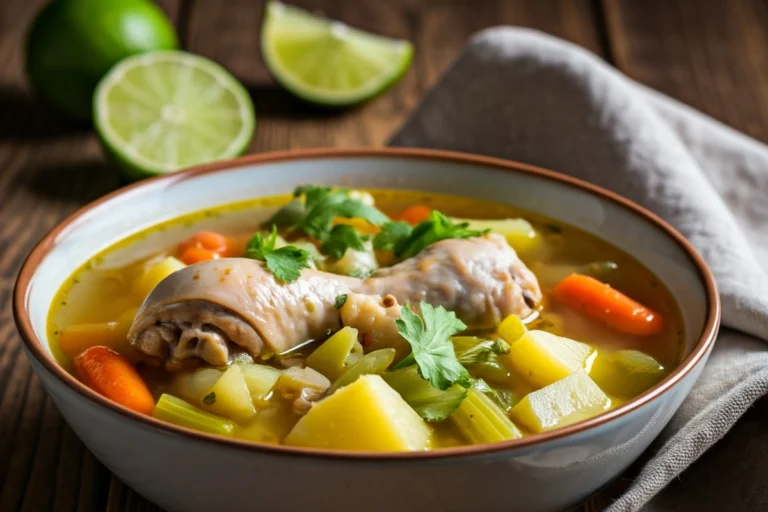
[[607, 358]]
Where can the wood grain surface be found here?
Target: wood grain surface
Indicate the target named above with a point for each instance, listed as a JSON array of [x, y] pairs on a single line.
[[710, 54]]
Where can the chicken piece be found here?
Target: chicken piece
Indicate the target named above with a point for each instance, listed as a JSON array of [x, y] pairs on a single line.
[[480, 279], [201, 310], [374, 317]]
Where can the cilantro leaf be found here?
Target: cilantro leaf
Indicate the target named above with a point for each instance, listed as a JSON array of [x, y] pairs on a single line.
[[322, 204], [288, 215], [210, 398], [431, 346], [391, 234], [406, 242], [285, 263], [341, 238], [340, 301]]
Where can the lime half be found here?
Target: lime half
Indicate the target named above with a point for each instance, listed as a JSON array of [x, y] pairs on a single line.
[[163, 111], [327, 62]]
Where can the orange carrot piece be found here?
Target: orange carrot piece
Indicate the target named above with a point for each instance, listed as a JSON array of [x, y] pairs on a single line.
[[607, 305], [197, 254], [207, 240], [110, 374], [415, 214]]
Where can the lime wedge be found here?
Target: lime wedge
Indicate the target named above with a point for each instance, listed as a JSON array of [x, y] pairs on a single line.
[[163, 111], [327, 62]]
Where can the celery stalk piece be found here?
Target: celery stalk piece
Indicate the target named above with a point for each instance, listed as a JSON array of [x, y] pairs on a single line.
[[371, 363], [260, 379], [429, 402], [463, 343], [481, 421], [330, 357], [177, 411]]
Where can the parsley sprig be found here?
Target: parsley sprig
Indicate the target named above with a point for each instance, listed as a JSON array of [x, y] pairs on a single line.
[[285, 263], [341, 238], [407, 242], [323, 204], [431, 346]]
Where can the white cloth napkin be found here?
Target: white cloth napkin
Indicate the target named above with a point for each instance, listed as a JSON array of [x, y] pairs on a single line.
[[525, 96]]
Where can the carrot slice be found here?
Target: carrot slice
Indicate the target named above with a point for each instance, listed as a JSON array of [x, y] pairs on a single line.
[[194, 255], [208, 240], [110, 374], [415, 214], [607, 305]]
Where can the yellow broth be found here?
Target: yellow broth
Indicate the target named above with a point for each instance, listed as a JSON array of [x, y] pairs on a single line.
[[102, 290]]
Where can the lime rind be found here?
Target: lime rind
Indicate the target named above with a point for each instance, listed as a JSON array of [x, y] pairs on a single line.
[[327, 62], [162, 111]]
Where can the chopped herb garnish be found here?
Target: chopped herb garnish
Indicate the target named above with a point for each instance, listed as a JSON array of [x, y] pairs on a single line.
[[288, 215], [431, 346], [340, 301], [285, 263], [341, 238], [361, 273], [406, 244], [323, 204], [390, 235], [210, 398]]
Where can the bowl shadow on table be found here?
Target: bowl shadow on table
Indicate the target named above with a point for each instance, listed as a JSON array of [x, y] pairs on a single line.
[[273, 102], [25, 117]]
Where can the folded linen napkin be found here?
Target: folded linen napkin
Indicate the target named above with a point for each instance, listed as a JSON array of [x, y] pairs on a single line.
[[522, 95]]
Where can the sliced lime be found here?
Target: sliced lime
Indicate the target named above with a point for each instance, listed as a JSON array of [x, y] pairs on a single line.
[[163, 111], [327, 62]]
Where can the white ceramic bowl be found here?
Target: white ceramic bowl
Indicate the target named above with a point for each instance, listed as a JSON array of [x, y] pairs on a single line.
[[181, 469]]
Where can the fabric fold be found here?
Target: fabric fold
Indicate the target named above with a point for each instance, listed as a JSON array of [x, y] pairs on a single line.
[[522, 95]]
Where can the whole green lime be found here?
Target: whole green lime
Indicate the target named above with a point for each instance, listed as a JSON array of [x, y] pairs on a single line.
[[73, 43]]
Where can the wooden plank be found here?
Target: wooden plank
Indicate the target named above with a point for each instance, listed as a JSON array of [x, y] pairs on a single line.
[[711, 55], [50, 166], [438, 29]]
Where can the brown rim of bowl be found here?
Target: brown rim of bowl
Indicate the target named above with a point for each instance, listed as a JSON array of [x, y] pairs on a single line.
[[41, 250]]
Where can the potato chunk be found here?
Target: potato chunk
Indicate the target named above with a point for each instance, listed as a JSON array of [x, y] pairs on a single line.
[[626, 373], [230, 396], [366, 415], [542, 358], [155, 273], [567, 401]]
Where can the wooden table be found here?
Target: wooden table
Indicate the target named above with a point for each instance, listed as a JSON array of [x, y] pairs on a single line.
[[712, 55]]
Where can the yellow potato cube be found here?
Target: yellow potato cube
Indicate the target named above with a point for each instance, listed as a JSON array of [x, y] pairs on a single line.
[[542, 358], [155, 273], [567, 401], [230, 396], [626, 373], [366, 415], [511, 329]]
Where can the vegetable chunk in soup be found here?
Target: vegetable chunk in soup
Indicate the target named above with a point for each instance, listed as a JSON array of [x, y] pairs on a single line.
[[376, 320]]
